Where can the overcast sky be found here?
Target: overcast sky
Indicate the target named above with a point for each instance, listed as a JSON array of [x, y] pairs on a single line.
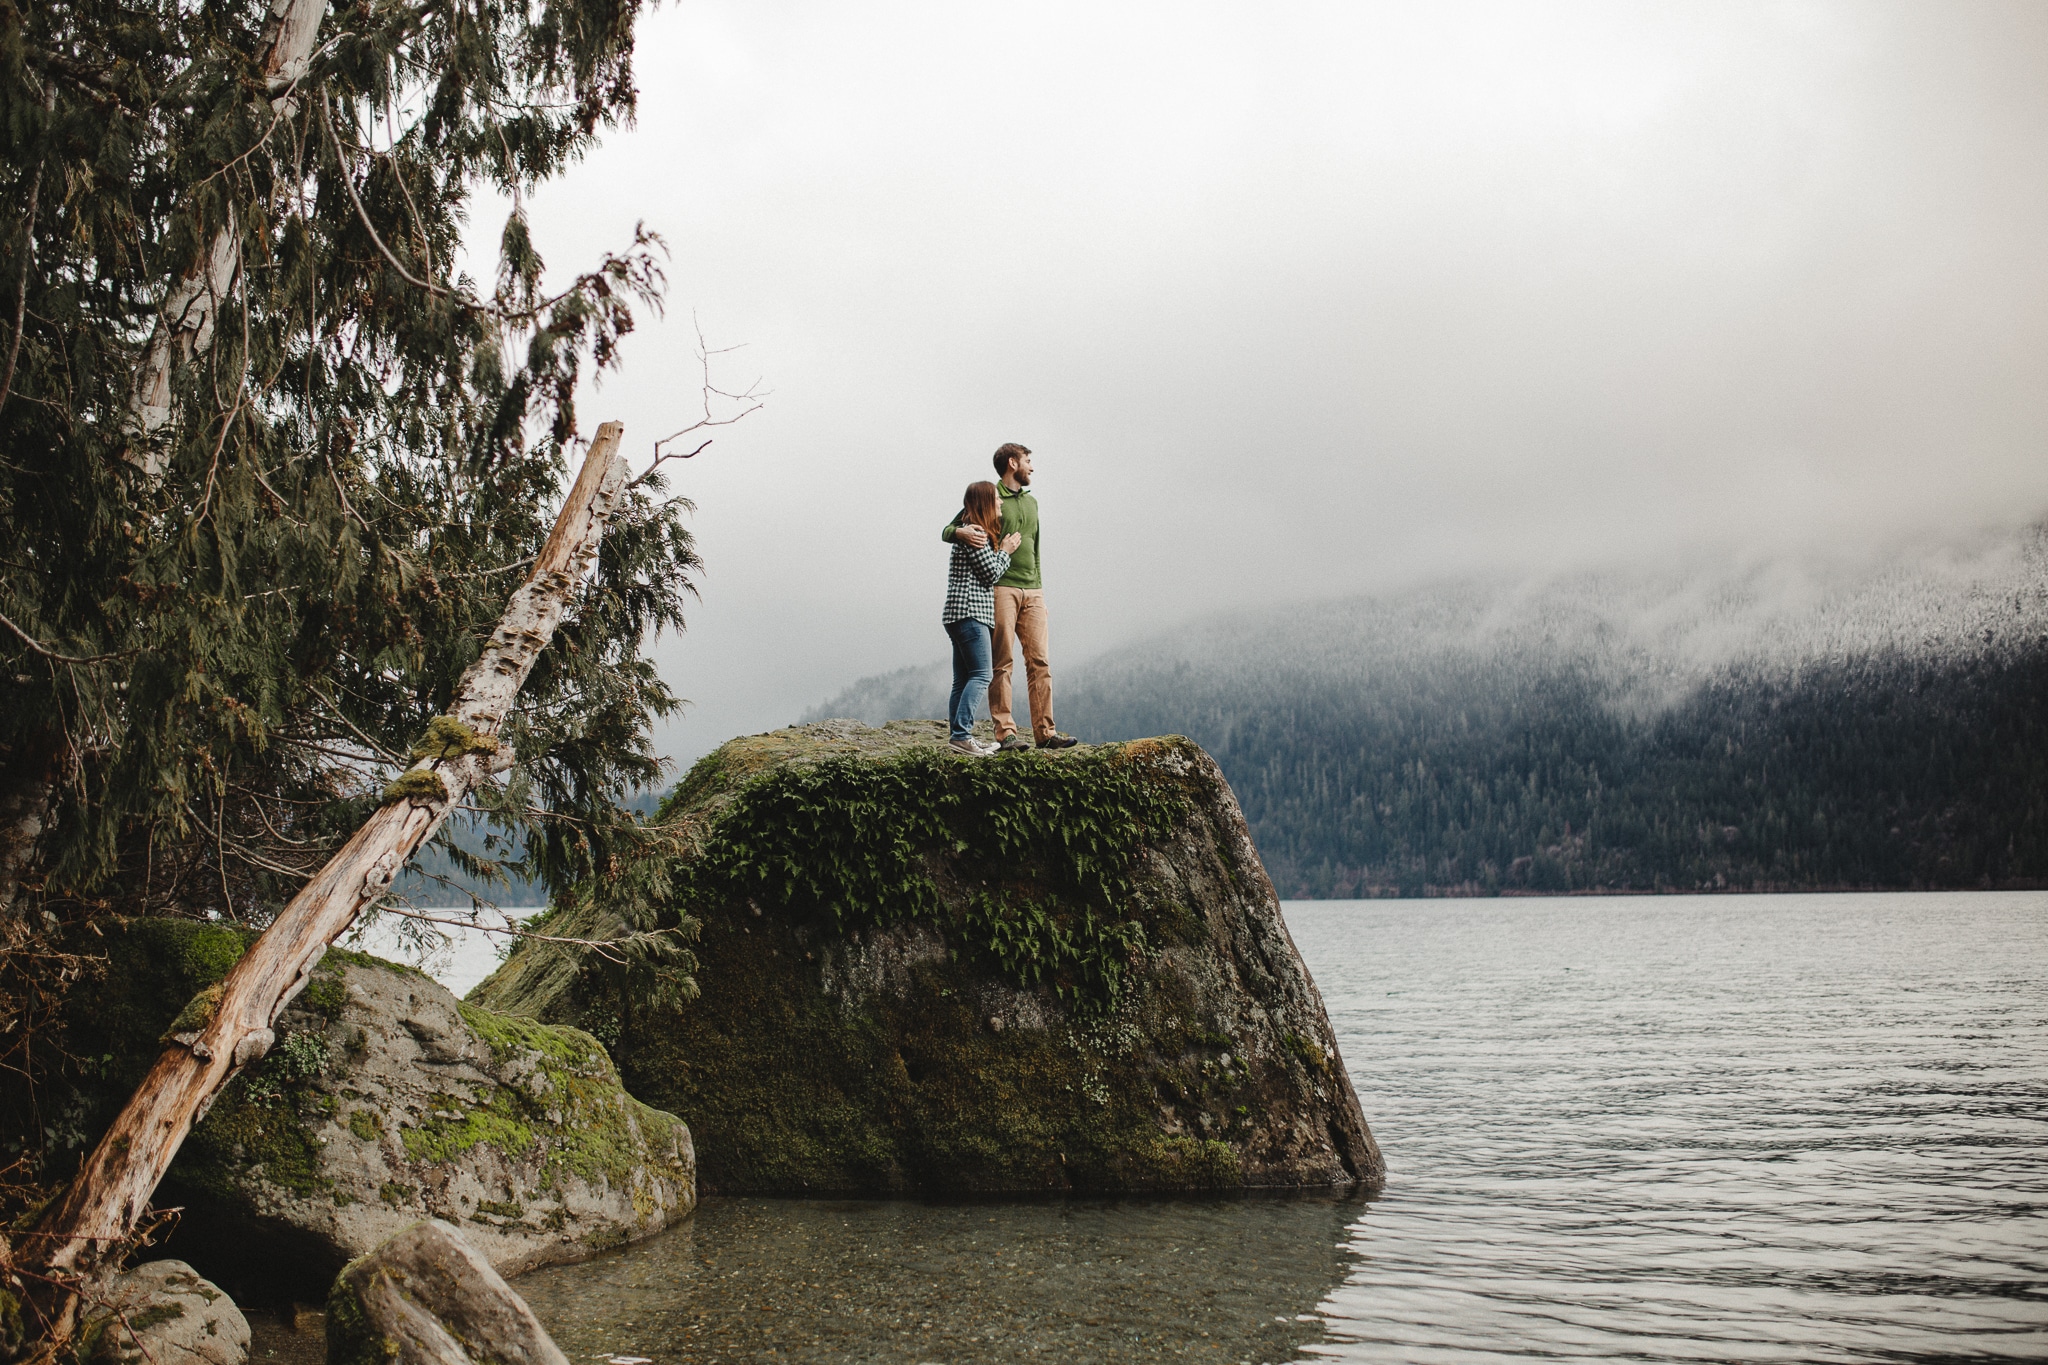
[[1304, 299]]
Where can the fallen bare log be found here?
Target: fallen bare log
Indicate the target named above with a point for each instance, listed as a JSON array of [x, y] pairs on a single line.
[[99, 1212]]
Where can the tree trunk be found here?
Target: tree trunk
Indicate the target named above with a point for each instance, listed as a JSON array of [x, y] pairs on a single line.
[[98, 1213], [184, 328]]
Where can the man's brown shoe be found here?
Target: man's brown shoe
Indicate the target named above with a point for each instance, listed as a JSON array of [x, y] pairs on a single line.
[[1056, 740], [1012, 742]]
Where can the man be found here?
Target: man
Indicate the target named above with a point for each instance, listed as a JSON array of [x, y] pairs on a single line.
[[1020, 607]]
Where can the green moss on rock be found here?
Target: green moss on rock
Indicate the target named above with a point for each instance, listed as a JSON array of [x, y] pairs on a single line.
[[241, 1135], [1025, 863], [600, 1130], [352, 1339], [567, 1049], [453, 1128]]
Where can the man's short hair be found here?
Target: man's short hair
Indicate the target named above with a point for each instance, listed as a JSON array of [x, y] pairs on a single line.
[[1006, 453]]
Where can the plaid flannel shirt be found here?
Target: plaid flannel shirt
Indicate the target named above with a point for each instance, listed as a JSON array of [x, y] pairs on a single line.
[[970, 583]]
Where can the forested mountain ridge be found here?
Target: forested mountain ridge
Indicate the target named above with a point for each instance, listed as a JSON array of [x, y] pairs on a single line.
[[1773, 727]]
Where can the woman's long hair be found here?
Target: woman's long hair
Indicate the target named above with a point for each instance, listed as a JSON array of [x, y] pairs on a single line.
[[982, 508]]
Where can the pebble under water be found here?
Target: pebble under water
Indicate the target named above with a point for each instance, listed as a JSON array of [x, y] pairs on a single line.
[[1774, 1128]]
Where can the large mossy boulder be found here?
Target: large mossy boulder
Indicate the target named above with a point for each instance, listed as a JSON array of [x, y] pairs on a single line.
[[384, 1101], [925, 972]]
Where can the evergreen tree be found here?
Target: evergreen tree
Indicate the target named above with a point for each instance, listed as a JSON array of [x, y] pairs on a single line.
[[269, 464], [1480, 774]]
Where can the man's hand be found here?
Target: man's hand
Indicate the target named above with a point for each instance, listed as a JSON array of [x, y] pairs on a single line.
[[972, 534]]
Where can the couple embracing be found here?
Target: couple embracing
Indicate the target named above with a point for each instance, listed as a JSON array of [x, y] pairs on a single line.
[[995, 600]]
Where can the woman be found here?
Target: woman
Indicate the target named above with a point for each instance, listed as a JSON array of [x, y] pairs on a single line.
[[971, 612]]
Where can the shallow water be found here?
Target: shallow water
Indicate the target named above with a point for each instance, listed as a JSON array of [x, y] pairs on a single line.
[[1676, 1129], [459, 946], [810, 1280]]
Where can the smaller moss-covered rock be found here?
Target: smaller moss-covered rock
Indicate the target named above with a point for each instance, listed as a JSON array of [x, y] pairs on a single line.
[[383, 1101], [163, 1313], [427, 1297]]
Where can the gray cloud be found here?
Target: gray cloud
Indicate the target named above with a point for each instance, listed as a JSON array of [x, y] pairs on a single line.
[[1299, 301]]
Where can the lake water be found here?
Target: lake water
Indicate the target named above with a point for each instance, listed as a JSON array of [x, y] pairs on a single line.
[[1675, 1129], [459, 945]]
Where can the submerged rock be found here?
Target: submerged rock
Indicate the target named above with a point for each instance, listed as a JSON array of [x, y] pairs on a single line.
[[383, 1101], [923, 972], [164, 1313], [427, 1297]]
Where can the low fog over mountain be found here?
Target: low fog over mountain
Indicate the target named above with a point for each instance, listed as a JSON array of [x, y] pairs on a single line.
[[1778, 724]]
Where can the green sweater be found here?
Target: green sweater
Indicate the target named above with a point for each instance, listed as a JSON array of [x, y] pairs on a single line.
[[1020, 514]]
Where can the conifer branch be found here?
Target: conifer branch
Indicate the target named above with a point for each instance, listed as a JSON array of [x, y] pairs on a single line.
[[348, 182], [54, 656], [615, 950]]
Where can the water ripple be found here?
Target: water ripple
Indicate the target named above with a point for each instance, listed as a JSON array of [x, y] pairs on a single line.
[[1781, 1128]]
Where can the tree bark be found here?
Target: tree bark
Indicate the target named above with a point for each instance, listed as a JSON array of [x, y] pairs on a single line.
[[98, 1213], [184, 328]]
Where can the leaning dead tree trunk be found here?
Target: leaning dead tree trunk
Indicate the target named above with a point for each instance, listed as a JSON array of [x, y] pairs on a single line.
[[99, 1212]]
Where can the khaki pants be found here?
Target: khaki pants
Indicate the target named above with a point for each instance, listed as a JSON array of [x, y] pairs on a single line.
[[1020, 617]]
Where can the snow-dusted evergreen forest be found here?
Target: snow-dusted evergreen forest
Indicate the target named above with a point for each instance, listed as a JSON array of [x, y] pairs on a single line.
[[1773, 725]]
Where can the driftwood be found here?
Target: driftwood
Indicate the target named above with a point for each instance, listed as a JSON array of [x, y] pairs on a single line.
[[100, 1210]]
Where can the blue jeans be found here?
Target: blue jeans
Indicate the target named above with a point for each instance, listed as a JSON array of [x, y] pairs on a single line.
[[972, 668]]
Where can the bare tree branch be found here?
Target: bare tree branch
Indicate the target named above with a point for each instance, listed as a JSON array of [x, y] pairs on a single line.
[[751, 397]]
